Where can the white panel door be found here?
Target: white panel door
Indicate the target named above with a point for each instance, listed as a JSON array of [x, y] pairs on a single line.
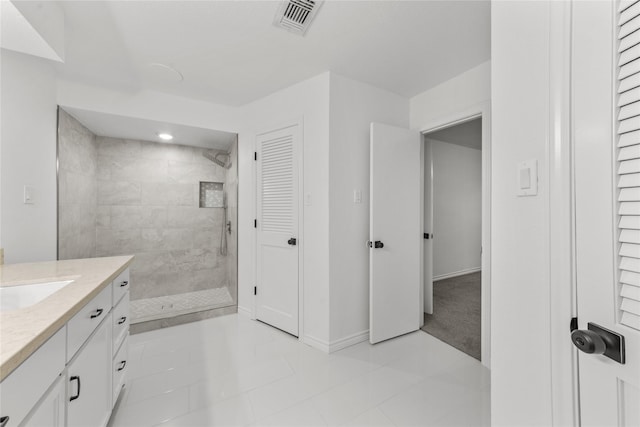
[[609, 391], [395, 254], [277, 257]]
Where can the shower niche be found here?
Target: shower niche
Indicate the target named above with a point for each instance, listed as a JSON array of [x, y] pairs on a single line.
[[173, 206]]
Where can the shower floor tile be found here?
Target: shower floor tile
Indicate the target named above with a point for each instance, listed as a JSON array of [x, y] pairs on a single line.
[[146, 309]]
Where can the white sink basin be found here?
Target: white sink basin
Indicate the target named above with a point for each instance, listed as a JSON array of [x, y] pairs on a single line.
[[21, 296]]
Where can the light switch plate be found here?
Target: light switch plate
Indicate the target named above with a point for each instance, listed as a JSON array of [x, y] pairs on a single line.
[[527, 178], [29, 195], [357, 196]]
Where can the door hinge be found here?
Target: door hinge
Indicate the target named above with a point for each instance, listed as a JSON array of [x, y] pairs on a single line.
[[255, 290], [255, 155], [255, 223], [574, 324]]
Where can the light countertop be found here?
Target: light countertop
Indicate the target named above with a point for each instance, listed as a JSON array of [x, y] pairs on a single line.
[[24, 330]]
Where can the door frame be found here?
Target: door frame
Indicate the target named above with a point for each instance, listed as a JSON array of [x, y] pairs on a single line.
[[483, 111], [301, 241]]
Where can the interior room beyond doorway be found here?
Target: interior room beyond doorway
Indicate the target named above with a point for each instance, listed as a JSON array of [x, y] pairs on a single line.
[[453, 235]]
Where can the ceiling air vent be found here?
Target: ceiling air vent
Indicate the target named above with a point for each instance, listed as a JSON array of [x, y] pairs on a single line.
[[296, 15]]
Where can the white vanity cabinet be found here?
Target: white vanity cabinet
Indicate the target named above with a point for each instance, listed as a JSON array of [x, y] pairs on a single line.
[[24, 388], [120, 332], [74, 378], [51, 409]]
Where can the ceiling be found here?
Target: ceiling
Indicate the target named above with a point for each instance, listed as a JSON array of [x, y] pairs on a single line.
[[115, 126], [467, 134], [230, 53]]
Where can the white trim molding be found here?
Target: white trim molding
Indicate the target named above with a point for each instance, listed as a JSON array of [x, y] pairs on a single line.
[[482, 110], [456, 273], [330, 347]]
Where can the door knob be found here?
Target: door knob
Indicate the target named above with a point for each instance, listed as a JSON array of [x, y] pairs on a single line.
[[588, 341], [292, 241], [377, 244], [598, 340]]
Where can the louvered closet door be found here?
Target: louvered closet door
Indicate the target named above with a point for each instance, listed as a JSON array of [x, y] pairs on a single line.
[[277, 258], [606, 112]]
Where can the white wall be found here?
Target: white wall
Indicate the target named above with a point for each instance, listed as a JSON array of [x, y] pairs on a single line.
[[353, 106], [308, 101], [521, 374], [457, 209], [28, 120], [461, 92]]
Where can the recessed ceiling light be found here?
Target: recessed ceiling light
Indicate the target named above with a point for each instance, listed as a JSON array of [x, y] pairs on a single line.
[[165, 136]]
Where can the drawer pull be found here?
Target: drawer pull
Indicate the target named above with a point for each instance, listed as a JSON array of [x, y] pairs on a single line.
[[97, 313], [122, 365], [122, 320], [124, 283], [4, 420], [75, 378]]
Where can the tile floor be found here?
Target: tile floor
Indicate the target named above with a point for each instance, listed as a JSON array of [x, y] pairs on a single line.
[[231, 371]]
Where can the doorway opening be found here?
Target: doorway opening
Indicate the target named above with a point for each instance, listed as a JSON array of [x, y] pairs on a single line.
[[456, 308]]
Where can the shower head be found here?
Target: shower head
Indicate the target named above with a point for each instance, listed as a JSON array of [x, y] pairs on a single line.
[[214, 157]]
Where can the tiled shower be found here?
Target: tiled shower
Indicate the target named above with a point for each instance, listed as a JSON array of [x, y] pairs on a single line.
[[168, 204]]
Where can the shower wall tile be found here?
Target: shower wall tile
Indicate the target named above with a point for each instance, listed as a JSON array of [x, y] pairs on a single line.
[[111, 241], [148, 206], [115, 147], [154, 216], [77, 185], [118, 193], [182, 194], [138, 169]]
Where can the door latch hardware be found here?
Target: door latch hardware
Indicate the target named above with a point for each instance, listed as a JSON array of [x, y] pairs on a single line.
[[377, 244], [292, 241], [598, 340], [427, 236]]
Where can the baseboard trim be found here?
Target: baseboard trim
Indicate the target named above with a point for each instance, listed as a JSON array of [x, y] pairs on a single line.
[[456, 273], [316, 343], [244, 311], [349, 341]]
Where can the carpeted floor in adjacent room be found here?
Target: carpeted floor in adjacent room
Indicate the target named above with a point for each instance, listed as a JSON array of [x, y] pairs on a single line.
[[456, 313]]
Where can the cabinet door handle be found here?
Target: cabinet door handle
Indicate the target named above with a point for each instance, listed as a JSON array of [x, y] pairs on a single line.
[[75, 378], [97, 313], [122, 320], [4, 420], [124, 283], [122, 365]]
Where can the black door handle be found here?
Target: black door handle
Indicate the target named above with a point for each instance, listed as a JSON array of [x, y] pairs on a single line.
[[292, 241], [124, 283], [122, 365], [75, 378], [598, 340], [377, 244], [122, 320]]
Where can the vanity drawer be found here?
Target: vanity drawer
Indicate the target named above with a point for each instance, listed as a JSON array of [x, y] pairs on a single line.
[[21, 390], [120, 286], [87, 320], [119, 369], [120, 322]]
